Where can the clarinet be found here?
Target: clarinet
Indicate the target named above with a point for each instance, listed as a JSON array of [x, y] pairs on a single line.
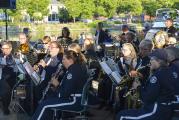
[[54, 76]]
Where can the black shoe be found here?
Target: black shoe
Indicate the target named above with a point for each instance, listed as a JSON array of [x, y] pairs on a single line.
[[6, 112]]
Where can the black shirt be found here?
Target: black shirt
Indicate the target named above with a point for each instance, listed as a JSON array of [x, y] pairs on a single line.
[[171, 31]]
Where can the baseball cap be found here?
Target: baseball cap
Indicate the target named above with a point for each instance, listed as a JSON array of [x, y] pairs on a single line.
[[160, 54]]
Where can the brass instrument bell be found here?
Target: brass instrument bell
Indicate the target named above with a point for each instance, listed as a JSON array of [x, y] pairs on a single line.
[[24, 48]]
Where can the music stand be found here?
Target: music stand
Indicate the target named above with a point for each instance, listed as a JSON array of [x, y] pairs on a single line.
[[111, 69], [35, 79], [33, 75]]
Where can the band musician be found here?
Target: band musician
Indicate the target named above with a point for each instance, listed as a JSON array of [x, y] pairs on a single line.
[[47, 66], [69, 91], [156, 94], [7, 76]]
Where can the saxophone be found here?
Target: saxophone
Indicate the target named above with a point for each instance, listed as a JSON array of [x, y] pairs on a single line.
[[58, 72], [132, 95]]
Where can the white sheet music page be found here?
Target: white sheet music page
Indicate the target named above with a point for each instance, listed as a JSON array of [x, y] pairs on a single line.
[[116, 76], [105, 68]]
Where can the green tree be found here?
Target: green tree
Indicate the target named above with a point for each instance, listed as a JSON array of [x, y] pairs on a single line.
[[150, 7], [176, 4], [100, 11], [105, 7], [87, 8], [110, 7], [165, 3], [21, 7], [134, 7], [74, 8], [63, 14], [38, 6]]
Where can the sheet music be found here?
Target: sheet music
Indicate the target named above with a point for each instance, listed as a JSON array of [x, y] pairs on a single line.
[[19, 66], [111, 69], [35, 77], [106, 68], [3, 61], [116, 76], [43, 75], [114, 67]]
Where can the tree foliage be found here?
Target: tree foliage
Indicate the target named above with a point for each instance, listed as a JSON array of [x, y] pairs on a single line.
[[73, 7], [38, 6], [32, 7], [150, 7], [63, 14], [87, 8], [130, 6], [90, 8]]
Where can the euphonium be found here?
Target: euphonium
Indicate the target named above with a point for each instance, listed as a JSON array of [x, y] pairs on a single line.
[[24, 48]]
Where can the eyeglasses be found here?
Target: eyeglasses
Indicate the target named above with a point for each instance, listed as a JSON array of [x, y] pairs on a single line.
[[5, 48], [51, 47]]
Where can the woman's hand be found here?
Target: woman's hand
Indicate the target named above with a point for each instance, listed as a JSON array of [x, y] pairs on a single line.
[[42, 63], [54, 82], [36, 68], [135, 84], [134, 74]]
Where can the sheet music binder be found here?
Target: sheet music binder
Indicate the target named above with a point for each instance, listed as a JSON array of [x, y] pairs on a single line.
[[34, 76], [114, 75]]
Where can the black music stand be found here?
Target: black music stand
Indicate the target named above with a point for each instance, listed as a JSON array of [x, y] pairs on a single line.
[[35, 79], [110, 68]]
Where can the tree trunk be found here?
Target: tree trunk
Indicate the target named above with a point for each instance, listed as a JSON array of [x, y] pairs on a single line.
[[74, 20]]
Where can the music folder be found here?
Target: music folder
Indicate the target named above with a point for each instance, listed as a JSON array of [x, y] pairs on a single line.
[[34, 76], [114, 75], [105, 68]]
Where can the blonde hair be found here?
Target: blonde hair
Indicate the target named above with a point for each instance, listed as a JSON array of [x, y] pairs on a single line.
[[46, 39], [76, 48], [160, 39], [88, 43], [131, 48]]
